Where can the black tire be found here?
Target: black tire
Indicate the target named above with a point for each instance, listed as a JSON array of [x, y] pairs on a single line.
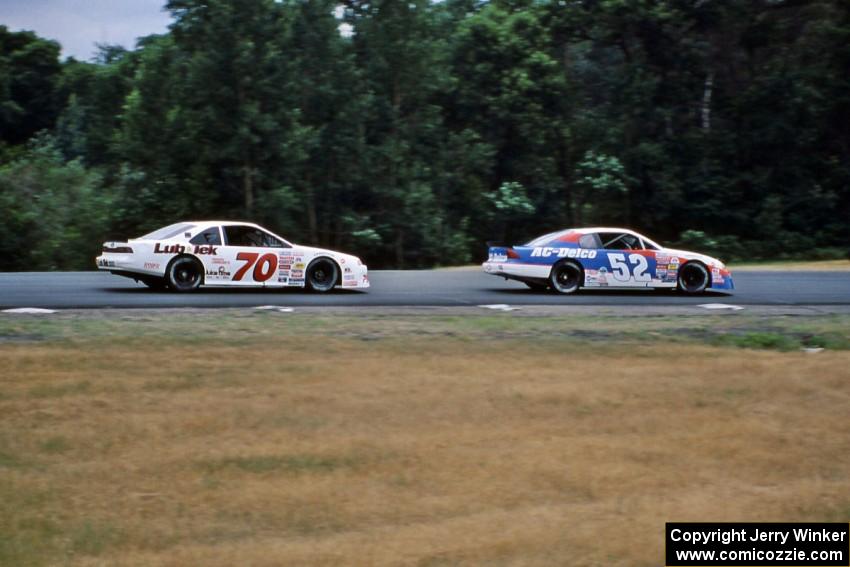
[[185, 274], [534, 286], [693, 278], [566, 277], [322, 275]]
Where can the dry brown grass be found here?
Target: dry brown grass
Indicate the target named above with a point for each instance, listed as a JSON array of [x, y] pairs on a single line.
[[793, 266], [408, 451]]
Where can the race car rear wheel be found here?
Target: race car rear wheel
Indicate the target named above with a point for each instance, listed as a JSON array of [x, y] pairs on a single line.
[[693, 278], [185, 274], [566, 277], [322, 275]]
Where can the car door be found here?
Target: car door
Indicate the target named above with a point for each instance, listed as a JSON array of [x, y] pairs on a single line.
[[630, 264], [250, 256], [206, 245]]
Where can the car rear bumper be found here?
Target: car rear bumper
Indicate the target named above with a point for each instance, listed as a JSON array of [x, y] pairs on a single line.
[[517, 270], [127, 263]]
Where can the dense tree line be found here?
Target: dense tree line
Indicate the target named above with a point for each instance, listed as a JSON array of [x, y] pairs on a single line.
[[411, 131]]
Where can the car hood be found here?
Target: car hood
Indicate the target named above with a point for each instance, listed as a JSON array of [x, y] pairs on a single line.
[[708, 260], [343, 258]]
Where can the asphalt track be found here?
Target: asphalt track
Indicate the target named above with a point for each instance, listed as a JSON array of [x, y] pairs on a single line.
[[66, 290]]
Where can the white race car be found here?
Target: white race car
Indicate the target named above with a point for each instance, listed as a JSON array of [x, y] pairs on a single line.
[[187, 255]]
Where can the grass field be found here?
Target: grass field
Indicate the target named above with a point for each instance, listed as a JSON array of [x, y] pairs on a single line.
[[263, 438], [793, 266]]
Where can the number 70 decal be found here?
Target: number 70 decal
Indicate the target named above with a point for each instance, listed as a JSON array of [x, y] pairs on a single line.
[[263, 270], [635, 268]]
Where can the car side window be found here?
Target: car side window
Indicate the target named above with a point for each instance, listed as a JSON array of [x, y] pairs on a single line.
[[209, 236], [242, 236], [270, 241], [250, 236], [588, 241], [619, 241]]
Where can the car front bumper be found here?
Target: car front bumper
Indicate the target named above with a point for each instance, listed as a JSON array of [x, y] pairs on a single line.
[[355, 277]]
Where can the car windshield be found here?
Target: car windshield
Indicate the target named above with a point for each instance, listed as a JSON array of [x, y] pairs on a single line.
[[169, 231], [546, 238]]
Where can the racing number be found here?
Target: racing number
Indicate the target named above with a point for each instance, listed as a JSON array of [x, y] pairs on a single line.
[[621, 270], [263, 270]]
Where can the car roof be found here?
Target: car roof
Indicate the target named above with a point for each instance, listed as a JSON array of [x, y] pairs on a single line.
[[604, 229], [208, 223]]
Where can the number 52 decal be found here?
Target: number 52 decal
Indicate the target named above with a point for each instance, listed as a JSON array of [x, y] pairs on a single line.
[[263, 270], [635, 268]]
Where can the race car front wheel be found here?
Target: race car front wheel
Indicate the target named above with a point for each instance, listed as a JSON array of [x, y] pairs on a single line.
[[693, 278], [322, 275], [565, 277], [185, 274]]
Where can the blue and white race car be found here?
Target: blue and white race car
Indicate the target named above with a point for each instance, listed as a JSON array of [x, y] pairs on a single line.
[[606, 258]]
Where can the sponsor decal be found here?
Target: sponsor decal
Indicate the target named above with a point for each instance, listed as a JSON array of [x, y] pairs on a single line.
[[349, 277], [716, 276], [297, 273], [500, 257], [151, 265], [546, 252], [106, 263], [283, 279], [349, 284], [596, 277], [298, 265], [206, 249], [170, 249], [221, 272], [284, 266], [347, 270], [180, 249], [221, 261]]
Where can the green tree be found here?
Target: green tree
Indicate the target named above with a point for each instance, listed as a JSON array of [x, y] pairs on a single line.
[[235, 99], [29, 72], [55, 213]]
